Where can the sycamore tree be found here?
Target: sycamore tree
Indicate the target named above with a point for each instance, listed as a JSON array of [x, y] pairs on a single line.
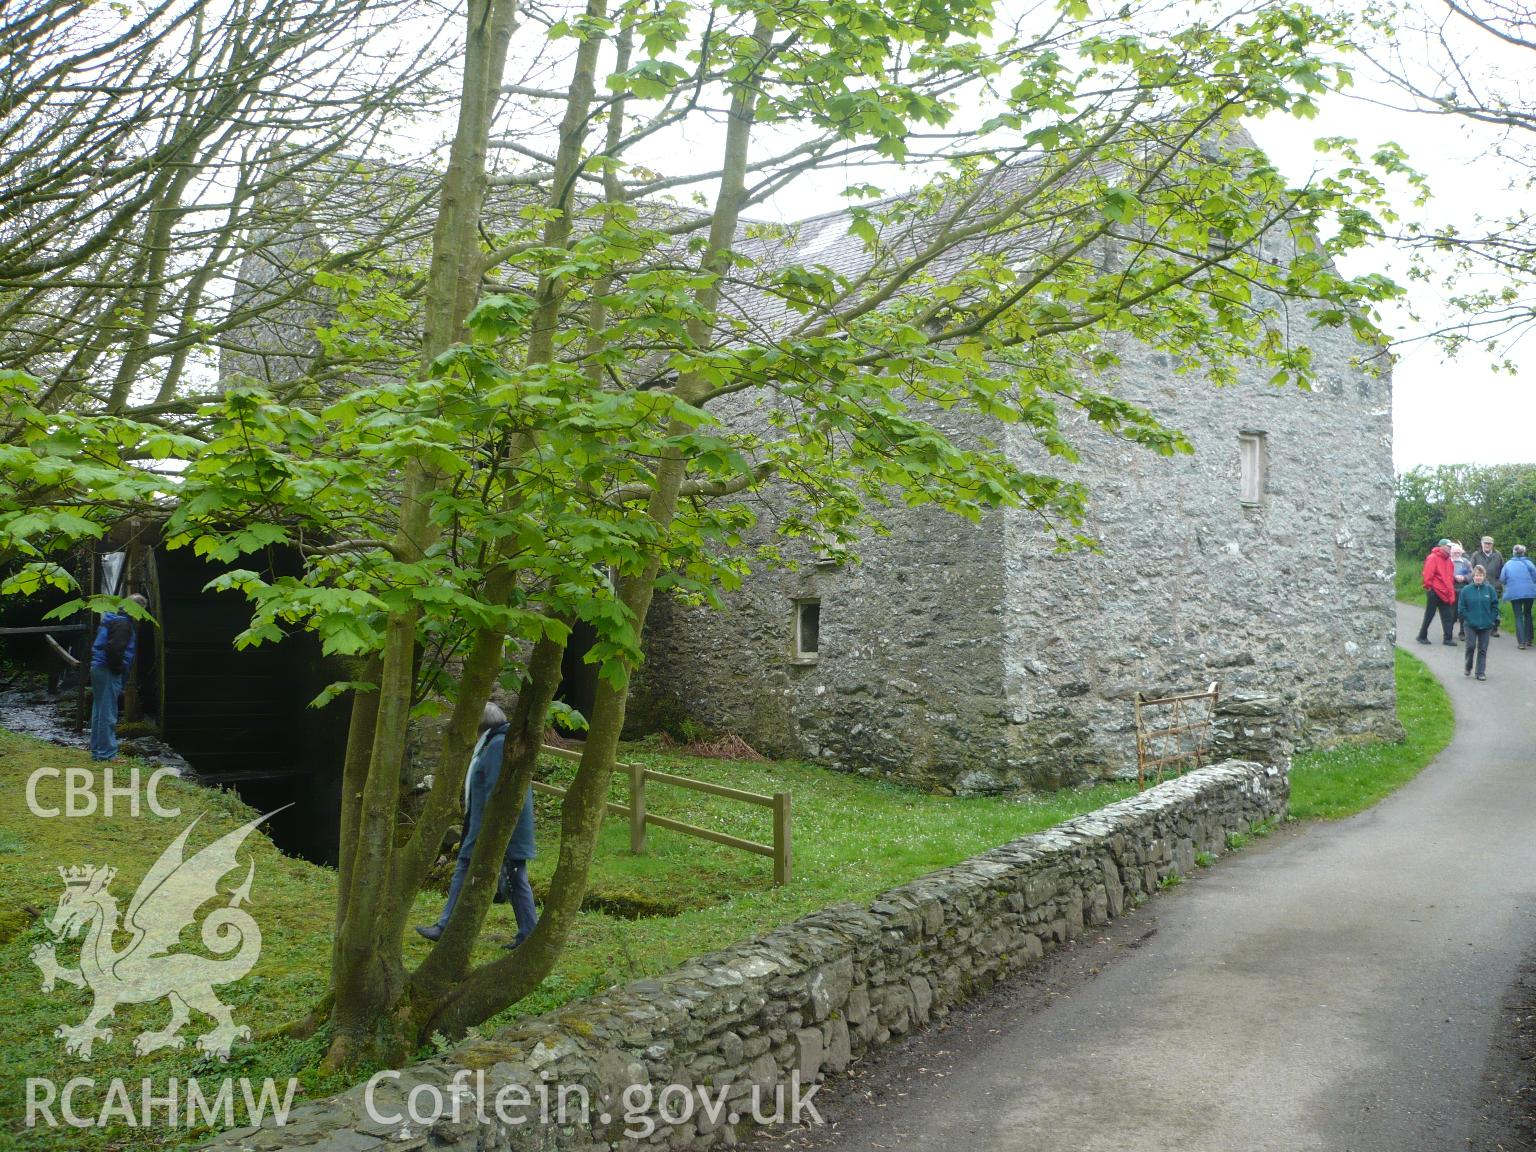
[[1465, 502], [619, 356]]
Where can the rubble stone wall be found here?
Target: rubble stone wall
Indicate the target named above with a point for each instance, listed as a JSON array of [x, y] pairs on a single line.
[[977, 658], [793, 1006]]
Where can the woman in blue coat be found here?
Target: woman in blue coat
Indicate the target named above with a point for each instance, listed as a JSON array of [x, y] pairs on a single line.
[[1519, 576], [484, 771]]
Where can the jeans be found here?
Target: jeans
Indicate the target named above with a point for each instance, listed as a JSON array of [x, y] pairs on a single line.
[[1477, 641], [1433, 604], [460, 869], [1522, 609], [106, 686], [519, 893], [513, 882]]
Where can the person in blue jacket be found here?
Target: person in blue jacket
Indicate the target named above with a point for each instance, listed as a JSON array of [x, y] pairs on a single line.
[[1479, 607], [484, 771], [1520, 590], [117, 643]]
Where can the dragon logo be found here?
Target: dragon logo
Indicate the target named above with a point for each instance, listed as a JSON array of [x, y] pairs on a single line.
[[145, 969]]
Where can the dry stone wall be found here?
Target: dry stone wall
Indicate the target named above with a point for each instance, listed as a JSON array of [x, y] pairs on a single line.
[[790, 1007]]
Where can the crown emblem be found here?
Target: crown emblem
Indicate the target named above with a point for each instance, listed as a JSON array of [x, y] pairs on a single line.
[[80, 876]]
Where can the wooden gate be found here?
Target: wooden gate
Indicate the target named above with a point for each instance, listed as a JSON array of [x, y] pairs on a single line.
[[1172, 732]]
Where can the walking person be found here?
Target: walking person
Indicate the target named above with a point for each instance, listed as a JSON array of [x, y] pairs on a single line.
[[513, 881], [112, 655], [1493, 564], [1439, 592], [1461, 576], [1520, 591], [1479, 607], [484, 771]]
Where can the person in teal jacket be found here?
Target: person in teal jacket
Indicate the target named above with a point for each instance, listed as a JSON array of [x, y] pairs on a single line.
[[1478, 605]]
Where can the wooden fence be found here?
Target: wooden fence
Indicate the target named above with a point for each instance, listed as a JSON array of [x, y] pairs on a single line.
[[1172, 731], [635, 811]]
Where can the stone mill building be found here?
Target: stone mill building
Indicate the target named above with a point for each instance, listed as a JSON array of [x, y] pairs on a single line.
[[977, 657]]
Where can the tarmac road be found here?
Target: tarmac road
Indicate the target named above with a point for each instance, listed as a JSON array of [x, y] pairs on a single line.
[[1338, 987]]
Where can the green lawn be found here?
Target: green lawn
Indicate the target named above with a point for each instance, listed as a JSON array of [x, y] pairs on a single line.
[[1407, 579], [1338, 782], [853, 838], [291, 902]]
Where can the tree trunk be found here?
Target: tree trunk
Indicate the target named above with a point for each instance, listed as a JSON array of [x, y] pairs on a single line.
[[354, 775], [494, 986], [370, 976], [377, 1010]]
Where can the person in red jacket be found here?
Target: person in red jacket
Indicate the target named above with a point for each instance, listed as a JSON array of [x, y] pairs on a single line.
[[1439, 591]]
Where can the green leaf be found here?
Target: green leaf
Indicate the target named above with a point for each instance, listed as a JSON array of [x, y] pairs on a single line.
[[1120, 205], [339, 688]]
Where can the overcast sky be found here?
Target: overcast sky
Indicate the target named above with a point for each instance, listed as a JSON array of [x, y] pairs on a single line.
[[1444, 411]]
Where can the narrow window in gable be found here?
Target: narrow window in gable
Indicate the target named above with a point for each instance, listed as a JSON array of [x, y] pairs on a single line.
[[807, 631], [1253, 461]]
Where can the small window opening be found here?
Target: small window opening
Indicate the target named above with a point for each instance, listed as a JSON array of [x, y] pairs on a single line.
[[112, 573], [1252, 457], [807, 631]]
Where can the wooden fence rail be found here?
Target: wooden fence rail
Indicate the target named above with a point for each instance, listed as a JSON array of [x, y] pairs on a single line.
[[781, 850]]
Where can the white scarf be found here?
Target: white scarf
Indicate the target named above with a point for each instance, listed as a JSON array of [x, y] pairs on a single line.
[[469, 776]]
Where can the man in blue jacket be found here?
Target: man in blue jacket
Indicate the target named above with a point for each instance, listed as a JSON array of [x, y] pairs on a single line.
[[484, 771], [117, 643]]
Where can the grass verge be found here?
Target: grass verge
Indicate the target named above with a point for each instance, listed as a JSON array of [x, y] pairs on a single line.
[[291, 903], [1338, 782], [854, 838]]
